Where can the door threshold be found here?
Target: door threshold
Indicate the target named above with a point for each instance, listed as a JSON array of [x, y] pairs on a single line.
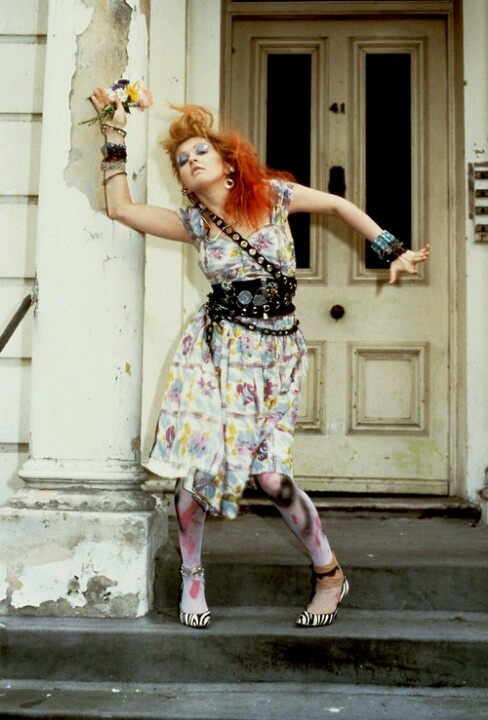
[[424, 506]]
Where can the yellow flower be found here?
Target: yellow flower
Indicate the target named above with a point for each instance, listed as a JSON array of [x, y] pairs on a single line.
[[133, 92]]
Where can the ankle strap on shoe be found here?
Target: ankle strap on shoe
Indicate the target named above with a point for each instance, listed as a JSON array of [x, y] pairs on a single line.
[[192, 572], [321, 571], [329, 573]]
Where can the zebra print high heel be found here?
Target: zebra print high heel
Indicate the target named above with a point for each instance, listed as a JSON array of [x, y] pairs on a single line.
[[327, 577], [194, 620]]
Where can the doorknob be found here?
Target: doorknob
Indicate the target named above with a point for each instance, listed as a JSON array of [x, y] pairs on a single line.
[[337, 312], [337, 181]]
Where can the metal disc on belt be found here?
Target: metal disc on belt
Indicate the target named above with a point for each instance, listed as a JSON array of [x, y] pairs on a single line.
[[244, 297]]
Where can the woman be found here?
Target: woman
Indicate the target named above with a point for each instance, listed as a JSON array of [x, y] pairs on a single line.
[[229, 411]]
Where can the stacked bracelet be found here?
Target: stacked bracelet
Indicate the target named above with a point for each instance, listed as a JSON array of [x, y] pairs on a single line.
[[387, 247], [109, 164], [106, 127], [113, 151], [115, 156]]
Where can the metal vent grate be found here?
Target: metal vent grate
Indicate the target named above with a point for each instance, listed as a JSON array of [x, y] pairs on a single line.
[[478, 199]]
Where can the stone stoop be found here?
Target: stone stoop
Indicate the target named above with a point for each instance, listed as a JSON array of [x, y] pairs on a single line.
[[411, 638], [241, 701]]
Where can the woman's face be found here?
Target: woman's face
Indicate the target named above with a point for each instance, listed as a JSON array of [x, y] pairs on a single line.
[[199, 164]]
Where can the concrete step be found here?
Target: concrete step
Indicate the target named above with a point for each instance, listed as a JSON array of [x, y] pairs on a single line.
[[411, 639], [237, 701], [407, 648], [409, 586], [421, 506], [392, 563]]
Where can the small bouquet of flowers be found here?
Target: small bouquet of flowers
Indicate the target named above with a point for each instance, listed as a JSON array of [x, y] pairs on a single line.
[[130, 95]]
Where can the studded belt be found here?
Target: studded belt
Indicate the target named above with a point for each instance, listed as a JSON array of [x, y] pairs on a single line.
[[260, 298]]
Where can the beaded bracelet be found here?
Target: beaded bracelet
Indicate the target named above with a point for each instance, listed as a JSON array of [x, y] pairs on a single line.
[[387, 247], [122, 132], [112, 164], [113, 151]]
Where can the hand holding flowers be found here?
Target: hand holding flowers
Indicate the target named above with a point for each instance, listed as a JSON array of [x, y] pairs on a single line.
[[116, 102]]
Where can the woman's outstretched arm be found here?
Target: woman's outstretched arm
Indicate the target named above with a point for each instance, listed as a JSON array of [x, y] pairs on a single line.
[[308, 200]]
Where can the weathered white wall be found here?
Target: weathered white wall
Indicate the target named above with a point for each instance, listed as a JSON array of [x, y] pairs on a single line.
[[475, 30], [22, 58]]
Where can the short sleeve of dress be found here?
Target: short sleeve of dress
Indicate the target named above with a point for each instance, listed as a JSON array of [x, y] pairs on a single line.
[[281, 206], [194, 223]]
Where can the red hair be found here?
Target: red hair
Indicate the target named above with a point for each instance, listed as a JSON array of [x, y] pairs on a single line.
[[251, 196]]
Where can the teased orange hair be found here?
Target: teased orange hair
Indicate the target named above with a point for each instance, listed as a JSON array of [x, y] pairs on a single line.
[[251, 196]]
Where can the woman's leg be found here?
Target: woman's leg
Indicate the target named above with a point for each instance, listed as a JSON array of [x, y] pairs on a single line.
[[191, 522], [301, 516]]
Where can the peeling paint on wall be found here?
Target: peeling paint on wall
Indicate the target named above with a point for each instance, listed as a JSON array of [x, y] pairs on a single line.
[[94, 565], [101, 57], [97, 589]]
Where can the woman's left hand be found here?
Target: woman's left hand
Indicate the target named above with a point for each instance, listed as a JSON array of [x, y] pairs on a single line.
[[407, 262]]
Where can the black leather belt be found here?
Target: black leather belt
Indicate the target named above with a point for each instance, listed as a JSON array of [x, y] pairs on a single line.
[[259, 298]]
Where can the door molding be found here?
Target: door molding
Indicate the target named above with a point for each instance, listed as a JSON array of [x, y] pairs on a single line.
[[337, 8]]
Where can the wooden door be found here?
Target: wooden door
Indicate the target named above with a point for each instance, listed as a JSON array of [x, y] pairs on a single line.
[[359, 107]]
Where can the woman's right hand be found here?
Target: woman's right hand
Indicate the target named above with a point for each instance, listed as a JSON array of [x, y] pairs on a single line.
[[100, 100]]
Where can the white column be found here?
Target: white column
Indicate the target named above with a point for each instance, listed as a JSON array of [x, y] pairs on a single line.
[[80, 537]]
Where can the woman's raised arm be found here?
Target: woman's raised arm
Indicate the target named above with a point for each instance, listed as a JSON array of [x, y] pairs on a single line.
[[150, 219]]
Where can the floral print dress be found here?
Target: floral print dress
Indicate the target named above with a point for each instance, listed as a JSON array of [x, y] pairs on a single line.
[[230, 414]]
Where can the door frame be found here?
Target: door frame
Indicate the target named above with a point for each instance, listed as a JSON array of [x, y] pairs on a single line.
[[450, 11]]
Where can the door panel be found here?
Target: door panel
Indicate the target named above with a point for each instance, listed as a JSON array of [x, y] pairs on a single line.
[[362, 105]]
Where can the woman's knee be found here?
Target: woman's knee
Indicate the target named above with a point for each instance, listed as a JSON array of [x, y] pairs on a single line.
[[280, 488]]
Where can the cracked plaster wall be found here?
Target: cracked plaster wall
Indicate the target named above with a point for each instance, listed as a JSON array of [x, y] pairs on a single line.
[[78, 565], [109, 30]]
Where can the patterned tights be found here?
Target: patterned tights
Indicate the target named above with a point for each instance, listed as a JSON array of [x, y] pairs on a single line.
[[296, 508], [299, 513], [191, 522]]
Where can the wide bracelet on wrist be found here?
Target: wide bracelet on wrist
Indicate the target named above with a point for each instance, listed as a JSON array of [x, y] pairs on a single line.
[[114, 151], [115, 156], [387, 246]]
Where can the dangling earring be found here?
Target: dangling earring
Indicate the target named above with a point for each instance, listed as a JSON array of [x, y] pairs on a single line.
[[229, 182], [184, 190]]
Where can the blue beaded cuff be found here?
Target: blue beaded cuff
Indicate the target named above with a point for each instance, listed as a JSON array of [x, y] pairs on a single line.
[[386, 246]]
